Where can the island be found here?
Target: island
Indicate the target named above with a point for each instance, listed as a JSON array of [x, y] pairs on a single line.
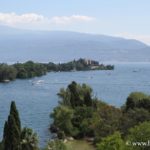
[[32, 69]]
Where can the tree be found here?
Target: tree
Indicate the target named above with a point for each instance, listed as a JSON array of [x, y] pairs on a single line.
[[139, 136], [145, 104], [62, 116], [75, 113], [87, 94], [110, 120], [15, 113], [1, 146], [13, 137], [133, 117], [7, 72], [22, 73], [76, 95], [65, 95], [12, 130], [83, 120], [29, 139], [80, 115], [112, 142], [134, 100]]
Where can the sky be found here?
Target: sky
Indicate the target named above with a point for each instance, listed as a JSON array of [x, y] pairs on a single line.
[[125, 18]]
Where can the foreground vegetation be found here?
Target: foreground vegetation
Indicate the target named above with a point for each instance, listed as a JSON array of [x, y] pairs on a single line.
[[82, 116], [31, 69], [15, 137], [79, 145], [81, 121]]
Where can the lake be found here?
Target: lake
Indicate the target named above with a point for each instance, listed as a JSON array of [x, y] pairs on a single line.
[[36, 98]]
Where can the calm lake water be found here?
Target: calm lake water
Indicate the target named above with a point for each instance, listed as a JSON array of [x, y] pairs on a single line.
[[36, 99]]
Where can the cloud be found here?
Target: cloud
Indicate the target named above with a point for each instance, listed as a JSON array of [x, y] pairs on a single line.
[[13, 19], [71, 19], [29, 19]]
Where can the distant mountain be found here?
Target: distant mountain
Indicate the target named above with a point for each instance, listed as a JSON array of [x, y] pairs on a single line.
[[58, 46]]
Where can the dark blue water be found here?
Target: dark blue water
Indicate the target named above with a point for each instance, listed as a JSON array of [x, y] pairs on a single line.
[[36, 99]]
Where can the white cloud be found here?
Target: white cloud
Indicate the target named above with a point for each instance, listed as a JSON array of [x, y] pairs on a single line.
[[30, 19], [13, 19], [71, 19]]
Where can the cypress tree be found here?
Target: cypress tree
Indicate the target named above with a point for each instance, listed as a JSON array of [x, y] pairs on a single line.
[[5, 134], [5, 129], [12, 130], [15, 113]]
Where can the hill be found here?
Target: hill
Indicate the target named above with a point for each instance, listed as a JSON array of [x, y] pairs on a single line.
[[59, 46]]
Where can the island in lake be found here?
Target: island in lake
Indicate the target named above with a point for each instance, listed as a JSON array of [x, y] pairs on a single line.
[[32, 69]]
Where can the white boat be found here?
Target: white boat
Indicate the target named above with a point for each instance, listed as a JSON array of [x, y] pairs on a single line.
[[38, 82]]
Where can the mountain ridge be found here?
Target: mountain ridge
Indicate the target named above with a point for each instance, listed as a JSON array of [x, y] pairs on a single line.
[[22, 45]]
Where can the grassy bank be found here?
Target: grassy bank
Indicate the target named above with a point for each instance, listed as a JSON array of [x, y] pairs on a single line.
[[79, 145]]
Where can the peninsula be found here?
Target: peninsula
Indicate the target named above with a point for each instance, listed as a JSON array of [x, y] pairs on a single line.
[[32, 69]]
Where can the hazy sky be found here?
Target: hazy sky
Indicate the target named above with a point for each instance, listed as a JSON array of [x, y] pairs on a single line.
[[127, 18]]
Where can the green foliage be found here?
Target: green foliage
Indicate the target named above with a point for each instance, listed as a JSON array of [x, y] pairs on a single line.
[[61, 135], [80, 115], [51, 67], [84, 122], [133, 117], [12, 130], [79, 65], [112, 142], [29, 140], [110, 121], [64, 95], [135, 111], [31, 69], [1, 146], [62, 119], [74, 116], [76, 95], [56, 145], [7, 72], [75, 98], [14, 112], [137, 99], [13, 137], [139, 136]]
